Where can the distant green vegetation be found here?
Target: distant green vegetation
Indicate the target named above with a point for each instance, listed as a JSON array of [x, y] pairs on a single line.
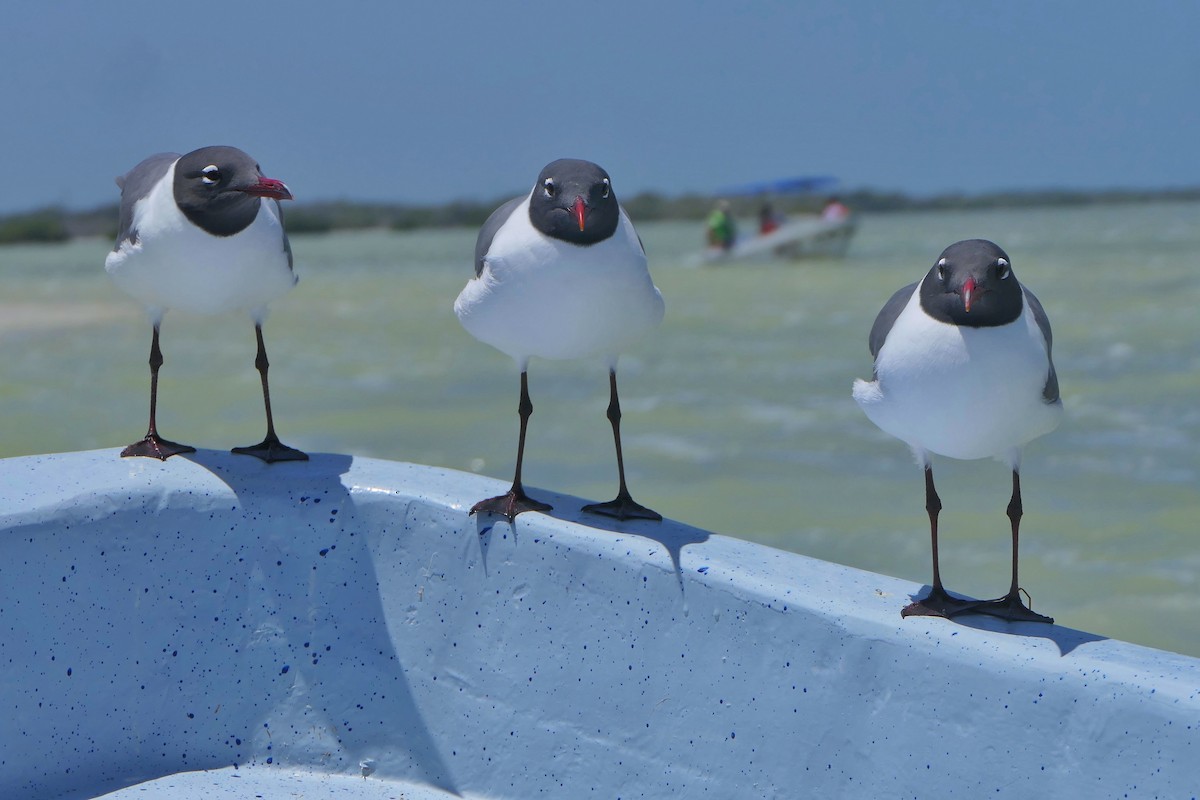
[[346, 215], [56, 224], [46, 225]]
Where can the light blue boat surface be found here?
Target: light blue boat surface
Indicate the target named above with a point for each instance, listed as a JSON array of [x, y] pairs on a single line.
[[216, 627]]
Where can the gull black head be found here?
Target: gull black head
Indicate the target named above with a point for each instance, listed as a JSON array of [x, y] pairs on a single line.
[[972, 284], [573, 200], [218, 189]]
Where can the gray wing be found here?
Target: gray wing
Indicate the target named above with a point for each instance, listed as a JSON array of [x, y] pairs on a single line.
[[887, 317], [626, 217], [135, 185], [488, 231], [287, 246], [1050, 390]]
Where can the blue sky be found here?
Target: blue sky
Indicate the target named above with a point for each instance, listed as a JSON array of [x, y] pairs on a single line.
[[432, 102]]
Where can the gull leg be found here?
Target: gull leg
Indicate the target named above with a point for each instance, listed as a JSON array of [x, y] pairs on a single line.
[[623, 506], [939, 602], [270, 449], [153, 445], [1010, 606], [515, 501]]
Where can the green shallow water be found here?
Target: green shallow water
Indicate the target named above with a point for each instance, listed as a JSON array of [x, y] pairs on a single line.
[[738, 416]]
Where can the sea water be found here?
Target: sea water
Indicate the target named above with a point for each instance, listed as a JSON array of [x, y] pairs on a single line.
[[737, 411]]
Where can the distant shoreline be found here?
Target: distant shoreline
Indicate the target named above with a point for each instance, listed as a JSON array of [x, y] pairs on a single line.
[[58, 225]]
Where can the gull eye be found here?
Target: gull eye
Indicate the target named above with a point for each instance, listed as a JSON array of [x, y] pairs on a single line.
[[941, 267], [210, 175], [607, 188], [1002, 268], [549, 187]]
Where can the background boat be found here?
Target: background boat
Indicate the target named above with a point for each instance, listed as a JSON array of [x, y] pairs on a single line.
[[805, 236], [810, 237]]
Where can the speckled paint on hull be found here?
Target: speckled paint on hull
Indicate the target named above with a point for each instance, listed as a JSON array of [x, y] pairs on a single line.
[[161, 618]]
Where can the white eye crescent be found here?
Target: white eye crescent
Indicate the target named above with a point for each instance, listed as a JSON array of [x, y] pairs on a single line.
[[1002, 268], [548, 185], [941, 269], [210, 175], [607, 188]]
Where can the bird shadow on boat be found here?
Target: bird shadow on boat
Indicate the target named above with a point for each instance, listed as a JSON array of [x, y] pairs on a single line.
[[672, 535], [303, 539], [235, 469], [1066, 639]]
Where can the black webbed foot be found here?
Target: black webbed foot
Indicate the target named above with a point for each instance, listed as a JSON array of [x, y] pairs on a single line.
[[939, 603], [510, 505], [271, 450], [154, 446], [1012, 609], [623, 507]]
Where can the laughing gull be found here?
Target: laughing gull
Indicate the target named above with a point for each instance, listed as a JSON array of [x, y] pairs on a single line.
[[561, 273], [963, 369], [203, 233]]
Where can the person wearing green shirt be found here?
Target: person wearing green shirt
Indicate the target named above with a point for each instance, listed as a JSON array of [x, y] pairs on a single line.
[[722, 230]]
